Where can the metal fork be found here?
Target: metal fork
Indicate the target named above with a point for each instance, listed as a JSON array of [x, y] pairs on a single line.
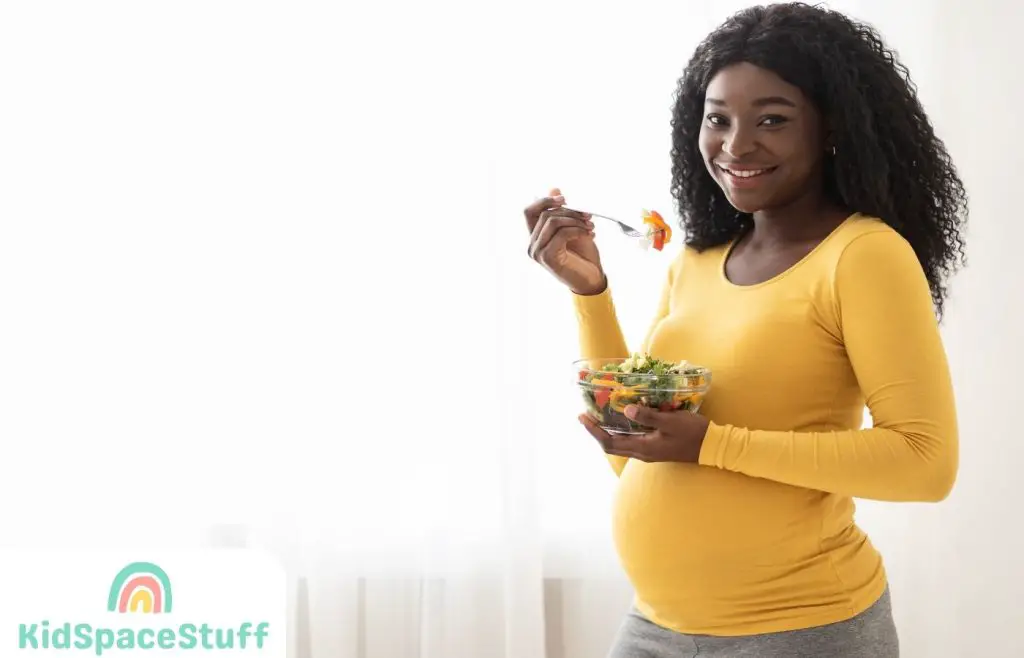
[[625, 228]]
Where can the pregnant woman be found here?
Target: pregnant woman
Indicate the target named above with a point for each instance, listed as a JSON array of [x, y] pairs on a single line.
[[821, 219]]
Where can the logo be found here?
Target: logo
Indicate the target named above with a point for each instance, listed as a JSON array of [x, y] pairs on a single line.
[[221, 604], [140, 587]]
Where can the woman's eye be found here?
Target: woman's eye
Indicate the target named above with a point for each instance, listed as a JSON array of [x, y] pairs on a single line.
[[716, 120], [772, 121]]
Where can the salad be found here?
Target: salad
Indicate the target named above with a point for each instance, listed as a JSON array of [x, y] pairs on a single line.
[[658, 231], [643, 380]]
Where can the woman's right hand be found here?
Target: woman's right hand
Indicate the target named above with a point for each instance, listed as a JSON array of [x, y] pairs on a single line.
[[562, 241]]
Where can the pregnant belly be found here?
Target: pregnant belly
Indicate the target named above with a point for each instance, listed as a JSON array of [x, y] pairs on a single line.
[[712, 546]]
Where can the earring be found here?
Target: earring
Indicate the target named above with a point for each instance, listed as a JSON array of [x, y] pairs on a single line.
[[833, 150]]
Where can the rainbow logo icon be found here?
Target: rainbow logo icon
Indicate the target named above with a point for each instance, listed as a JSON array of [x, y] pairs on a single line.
[[140, 587]]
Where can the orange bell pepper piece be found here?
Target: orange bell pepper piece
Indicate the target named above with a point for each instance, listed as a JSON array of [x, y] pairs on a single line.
[[662, 232]]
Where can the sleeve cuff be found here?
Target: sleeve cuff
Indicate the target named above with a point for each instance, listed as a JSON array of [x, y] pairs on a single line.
[[599, 306], [713, 448]]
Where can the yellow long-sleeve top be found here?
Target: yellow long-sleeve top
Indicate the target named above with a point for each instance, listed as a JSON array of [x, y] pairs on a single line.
[[760, 535]]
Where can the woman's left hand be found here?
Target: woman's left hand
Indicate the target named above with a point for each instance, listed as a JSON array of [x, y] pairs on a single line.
[[677, 436]]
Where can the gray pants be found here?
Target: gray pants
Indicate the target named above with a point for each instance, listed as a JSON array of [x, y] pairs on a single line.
[[871, 634]]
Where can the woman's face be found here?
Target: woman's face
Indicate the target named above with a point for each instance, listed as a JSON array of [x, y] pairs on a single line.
[[762, 140]]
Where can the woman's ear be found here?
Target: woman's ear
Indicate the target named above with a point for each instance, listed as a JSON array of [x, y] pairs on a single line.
[[829, 140]]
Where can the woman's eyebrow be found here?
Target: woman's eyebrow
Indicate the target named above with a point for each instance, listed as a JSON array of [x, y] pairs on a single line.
[[760, 102]]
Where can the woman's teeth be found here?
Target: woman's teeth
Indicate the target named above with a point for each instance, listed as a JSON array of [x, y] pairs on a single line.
[[748, 173]]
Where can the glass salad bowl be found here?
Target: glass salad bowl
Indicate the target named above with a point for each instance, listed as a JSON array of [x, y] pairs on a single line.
[[608, 385]]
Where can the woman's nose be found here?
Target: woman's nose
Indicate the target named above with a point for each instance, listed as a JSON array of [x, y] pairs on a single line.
[[739, 143]]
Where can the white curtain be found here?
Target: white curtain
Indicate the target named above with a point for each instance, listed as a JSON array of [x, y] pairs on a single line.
[[263, 283]]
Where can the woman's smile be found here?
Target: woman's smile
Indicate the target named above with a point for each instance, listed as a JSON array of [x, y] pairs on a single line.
[[744, 176]]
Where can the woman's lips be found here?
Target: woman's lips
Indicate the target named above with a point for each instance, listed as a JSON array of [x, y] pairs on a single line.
[[745, 176]]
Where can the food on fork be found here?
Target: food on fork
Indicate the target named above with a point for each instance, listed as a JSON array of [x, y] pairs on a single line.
[[658, 232]]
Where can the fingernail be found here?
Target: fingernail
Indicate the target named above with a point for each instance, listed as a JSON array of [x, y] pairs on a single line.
[[630, 412]]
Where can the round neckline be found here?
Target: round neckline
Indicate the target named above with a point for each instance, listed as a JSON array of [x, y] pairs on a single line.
[[784, 273]]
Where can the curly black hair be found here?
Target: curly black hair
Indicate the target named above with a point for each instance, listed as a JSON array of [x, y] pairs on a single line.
[[888, 163]]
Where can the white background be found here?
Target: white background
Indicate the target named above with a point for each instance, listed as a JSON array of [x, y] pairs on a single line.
[[264, 264]]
